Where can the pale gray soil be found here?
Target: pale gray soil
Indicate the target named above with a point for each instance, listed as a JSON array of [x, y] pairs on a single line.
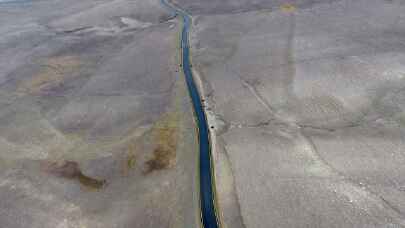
[[309, 106], [234, 6], [306, 96], [96, 127]]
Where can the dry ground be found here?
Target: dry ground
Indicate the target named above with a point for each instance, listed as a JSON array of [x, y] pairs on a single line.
[[96, 127], [308, 103]]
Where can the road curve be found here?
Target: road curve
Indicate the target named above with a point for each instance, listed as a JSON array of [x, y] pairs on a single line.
[[209, 217]]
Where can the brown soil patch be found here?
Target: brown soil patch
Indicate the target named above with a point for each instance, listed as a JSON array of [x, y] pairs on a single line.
[[71, 170], [165, 134], [129, 162], [288, 7], [52, 75], [131, 157]]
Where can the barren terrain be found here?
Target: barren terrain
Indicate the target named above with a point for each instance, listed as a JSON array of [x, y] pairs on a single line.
[[96, 128], [307, 99]]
